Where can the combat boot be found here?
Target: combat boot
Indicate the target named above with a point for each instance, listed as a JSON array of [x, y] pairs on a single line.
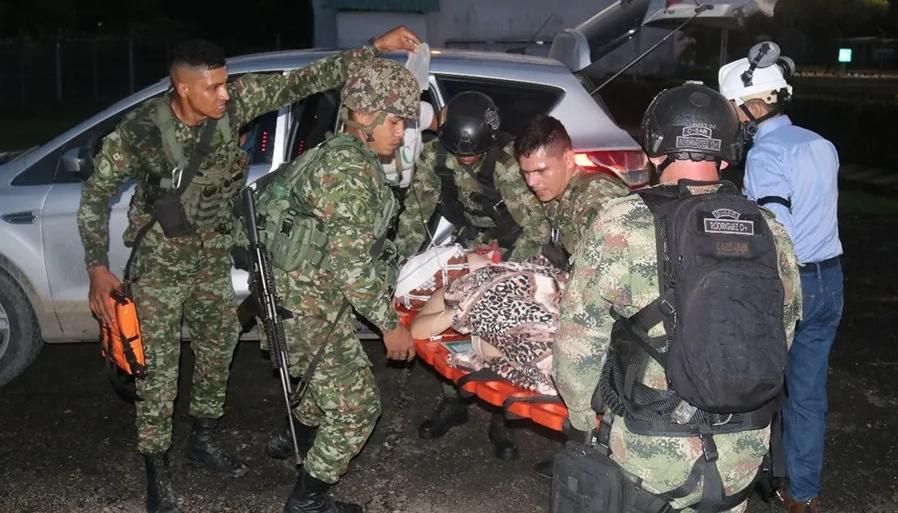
[[280, 443], [160, 496], [310, 496], [202, 449], [451, 412], [505, 447]]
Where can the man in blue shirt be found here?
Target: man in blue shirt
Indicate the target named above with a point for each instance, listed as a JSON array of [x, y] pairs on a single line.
[[793, 172]]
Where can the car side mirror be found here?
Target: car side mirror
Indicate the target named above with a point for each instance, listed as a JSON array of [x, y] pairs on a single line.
[[75, 161]]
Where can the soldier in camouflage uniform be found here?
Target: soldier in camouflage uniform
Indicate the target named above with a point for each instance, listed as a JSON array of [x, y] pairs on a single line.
[[189, 275], [616, 268], [571, 197], [470, 177], [342, 186]]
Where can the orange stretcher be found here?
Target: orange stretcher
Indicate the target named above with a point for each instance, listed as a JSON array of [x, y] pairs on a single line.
[[516, 402]]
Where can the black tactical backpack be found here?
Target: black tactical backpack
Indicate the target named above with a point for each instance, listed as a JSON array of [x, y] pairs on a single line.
[[721, 302]]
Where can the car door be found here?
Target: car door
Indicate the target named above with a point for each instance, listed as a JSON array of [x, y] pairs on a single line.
[[63, 253]]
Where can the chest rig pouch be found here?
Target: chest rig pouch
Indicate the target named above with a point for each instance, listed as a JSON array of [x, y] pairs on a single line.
[[169, 204], [488, 201]]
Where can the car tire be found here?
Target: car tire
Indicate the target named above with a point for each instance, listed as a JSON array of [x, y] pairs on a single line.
[[20, 335]]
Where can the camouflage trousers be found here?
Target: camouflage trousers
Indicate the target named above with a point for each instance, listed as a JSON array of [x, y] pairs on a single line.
[[199, 291], [342, 400], [664, 463]]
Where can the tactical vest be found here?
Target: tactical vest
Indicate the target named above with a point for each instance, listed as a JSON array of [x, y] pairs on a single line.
[[207, 200], [489, 202], [287, 226]]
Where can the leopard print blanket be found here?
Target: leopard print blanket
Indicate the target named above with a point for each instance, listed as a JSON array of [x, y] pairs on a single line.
[[513, 307]]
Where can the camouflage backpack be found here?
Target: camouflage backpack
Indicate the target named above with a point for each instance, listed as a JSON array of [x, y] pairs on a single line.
[[287, 227]]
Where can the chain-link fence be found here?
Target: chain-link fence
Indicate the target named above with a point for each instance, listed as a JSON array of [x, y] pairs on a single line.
[[78, 69]]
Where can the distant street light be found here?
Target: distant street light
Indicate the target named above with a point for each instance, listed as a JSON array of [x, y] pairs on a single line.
[[844, 55], [844, 59]]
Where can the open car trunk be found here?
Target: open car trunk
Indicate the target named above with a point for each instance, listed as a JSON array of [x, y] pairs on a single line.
[[616, 24]]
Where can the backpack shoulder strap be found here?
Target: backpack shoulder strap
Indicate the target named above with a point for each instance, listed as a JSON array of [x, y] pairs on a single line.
[[224, 128], [165, 122], [654, 197]]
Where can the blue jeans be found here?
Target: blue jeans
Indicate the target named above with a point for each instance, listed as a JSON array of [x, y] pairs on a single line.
[[805, 410]]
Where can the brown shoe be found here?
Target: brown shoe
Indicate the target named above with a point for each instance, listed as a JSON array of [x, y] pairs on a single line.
[[793, 506]]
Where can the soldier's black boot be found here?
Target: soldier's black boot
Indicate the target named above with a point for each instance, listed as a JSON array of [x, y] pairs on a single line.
[[202, 449], [310, 496], [160, 496], [451, 412], [280, 443], [505, 447]]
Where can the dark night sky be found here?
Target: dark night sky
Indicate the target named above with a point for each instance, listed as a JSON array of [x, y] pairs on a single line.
[[233, 24]]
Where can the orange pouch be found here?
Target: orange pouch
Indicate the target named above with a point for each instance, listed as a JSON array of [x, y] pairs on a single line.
[[121, 343]]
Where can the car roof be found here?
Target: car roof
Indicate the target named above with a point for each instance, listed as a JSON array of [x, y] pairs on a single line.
[[588, 130], [441, 60]]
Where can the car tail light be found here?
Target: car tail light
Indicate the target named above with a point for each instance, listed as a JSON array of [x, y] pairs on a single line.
[[631, 166]]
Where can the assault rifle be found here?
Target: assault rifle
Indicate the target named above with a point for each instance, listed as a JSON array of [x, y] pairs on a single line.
[[266, 298]]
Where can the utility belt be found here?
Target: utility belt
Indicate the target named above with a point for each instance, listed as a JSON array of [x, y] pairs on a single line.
[[586, 480], [819, 267]]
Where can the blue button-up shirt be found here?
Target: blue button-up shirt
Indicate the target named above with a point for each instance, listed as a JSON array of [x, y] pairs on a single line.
[[798, 165]]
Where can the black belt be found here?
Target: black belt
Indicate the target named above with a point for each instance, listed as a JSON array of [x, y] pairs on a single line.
[[817, 267]]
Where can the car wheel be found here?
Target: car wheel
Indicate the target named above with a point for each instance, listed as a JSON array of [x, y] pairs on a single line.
[[20, 337]]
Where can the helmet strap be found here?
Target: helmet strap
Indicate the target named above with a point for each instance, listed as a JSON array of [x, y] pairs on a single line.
[[663, 165], [368, 129]]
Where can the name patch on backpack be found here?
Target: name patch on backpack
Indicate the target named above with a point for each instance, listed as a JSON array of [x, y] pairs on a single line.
[[726, 221]]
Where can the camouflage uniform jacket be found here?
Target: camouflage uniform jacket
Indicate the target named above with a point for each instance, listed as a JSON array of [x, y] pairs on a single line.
[[424, 194], [134, 150], [347, 190], [616, 267], [583, 198]]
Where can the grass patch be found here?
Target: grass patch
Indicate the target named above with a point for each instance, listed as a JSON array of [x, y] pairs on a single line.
[[24, 127], [861, 204]]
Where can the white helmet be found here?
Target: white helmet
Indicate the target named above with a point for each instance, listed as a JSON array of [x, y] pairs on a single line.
[[760, 76]]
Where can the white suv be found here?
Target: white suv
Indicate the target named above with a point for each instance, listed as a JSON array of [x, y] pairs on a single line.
[[43, 283]]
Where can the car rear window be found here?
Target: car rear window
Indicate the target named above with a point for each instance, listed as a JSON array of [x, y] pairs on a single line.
[[518, 102]]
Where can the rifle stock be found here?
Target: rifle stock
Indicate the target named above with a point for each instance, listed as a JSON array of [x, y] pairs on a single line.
[[263, 287]]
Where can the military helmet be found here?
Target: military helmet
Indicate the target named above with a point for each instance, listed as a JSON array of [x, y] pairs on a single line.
[[692, 122], [381, 85], [470, 126]]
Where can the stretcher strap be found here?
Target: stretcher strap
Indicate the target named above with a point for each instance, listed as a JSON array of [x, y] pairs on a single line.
[[484, 374]]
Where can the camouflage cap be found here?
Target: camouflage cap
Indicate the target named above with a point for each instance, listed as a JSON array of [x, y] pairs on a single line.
[[381, 85]]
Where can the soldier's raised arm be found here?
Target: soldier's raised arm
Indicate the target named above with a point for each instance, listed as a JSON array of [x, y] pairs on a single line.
[[255, 94]]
